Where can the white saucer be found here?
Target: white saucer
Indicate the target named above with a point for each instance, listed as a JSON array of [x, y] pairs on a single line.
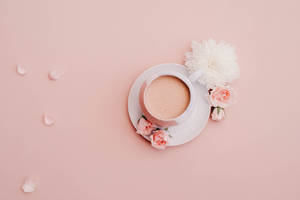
[[185, 131]]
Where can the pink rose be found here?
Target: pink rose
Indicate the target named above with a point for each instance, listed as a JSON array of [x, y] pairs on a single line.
[[221, 96], [159, 139], [218, 114], [144, 127]]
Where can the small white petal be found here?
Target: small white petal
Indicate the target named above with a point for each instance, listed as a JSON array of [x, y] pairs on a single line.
[[54, 75], [48, 120], [29, 185], [21, 70]]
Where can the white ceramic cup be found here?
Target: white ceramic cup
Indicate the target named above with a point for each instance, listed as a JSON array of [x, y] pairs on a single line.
[[188, 111]]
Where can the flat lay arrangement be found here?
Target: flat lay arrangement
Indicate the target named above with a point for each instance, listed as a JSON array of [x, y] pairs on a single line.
[[174, 100], [169, 104]]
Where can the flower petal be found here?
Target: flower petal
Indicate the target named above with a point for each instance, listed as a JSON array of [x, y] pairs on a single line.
[[54, 75], [48, 120], [29, 185], [21, 70]]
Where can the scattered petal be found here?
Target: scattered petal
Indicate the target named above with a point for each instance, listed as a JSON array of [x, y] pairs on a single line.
[[21, 70], [54, 75], [48, 120], [29, 185]]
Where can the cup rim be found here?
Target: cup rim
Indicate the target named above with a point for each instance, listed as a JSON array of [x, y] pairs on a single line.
[[185, 114]]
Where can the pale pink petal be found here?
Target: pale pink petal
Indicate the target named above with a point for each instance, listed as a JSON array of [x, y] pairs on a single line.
[[21, 70], [29, 185], [54, 75], [48, 120]]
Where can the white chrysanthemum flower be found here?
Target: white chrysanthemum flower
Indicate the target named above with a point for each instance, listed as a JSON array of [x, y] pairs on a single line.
[[218, 62]]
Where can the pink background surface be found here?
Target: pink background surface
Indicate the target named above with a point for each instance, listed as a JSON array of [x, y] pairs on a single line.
[[92, 152]]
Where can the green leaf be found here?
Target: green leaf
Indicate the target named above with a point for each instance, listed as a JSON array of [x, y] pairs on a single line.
[[218, 110]]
